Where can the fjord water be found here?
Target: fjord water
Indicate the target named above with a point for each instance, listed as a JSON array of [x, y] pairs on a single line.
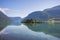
[[31, 31]]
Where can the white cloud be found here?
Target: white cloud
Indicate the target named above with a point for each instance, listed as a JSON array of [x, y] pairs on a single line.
[[11, 12], [2, 10]]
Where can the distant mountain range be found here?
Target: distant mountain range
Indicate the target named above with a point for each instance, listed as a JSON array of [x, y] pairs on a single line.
[[4, 20], [15, 20], [44, 15]]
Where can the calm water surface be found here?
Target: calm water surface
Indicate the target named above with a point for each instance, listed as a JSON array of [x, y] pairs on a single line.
[[31, 32]]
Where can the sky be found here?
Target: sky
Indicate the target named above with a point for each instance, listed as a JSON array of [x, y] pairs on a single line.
[[21, 8]]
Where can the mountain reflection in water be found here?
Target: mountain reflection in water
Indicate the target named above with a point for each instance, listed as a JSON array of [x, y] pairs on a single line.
[[23, 32], [52, 29]]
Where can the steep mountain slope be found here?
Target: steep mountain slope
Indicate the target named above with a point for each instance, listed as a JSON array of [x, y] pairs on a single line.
[[53, 12], [4, 20]]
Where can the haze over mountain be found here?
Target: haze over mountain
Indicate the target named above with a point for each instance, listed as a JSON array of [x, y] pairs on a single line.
[[15, 20], [53, 12]]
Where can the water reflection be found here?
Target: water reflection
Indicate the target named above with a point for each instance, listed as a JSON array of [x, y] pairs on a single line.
[[3, 25], [52, 29], [22, 32]]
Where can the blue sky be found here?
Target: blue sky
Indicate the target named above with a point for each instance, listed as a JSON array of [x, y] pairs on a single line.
[[22, 8]]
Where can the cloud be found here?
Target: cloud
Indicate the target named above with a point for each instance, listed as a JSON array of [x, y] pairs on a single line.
[[7, 9], [10, 12], [2, 10]]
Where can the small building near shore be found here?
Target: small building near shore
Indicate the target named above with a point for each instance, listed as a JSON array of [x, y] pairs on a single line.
[[54, 20]]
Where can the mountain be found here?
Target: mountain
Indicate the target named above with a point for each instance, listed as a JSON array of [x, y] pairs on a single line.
[[15, 20], [53, 12], [3, 16], [44, 15], [4, 20], [37, 15]]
